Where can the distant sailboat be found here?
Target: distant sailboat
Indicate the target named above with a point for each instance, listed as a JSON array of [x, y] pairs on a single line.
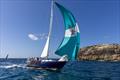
[[6, 58], [68, 48]]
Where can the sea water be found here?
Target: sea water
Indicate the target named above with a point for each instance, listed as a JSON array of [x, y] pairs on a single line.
[[15, 69]]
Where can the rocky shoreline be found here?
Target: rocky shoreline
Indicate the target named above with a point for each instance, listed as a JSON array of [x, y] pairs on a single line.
[[101, 52]]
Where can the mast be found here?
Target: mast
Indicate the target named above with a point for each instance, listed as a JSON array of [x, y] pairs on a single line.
[[51, 19], [51, 24], [46, 47]]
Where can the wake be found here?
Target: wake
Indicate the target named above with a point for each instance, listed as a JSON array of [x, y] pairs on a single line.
[[7, 66]]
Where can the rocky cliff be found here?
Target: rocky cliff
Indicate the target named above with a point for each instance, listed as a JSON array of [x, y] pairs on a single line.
[[101, 52]]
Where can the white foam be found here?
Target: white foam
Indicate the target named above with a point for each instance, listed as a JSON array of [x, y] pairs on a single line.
[[13, 66]]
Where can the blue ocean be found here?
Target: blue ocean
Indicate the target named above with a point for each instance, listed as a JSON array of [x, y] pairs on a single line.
[[15, 69]]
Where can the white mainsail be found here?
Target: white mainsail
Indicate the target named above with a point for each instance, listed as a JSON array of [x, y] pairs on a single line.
[[45, 51], [46, 48]]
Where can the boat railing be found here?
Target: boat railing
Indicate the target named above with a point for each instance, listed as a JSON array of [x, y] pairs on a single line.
[[35, 59]]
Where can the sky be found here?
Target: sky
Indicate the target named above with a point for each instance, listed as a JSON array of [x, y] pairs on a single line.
[[24, 25]]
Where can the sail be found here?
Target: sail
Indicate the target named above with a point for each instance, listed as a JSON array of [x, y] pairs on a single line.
[[71, 40], [6, 57], [46, 48]]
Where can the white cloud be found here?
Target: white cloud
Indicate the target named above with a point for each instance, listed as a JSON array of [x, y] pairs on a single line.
[[37, 36], [33, 37], [42, 36]]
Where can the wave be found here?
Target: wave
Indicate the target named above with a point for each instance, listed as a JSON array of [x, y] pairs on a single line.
[[13, 66]]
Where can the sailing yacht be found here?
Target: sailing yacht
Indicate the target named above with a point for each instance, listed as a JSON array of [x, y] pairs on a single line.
[[6, 58], [68, 48]]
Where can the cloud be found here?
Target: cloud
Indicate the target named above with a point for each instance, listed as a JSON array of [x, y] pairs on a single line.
[[37, 36], [33, 37], [42, 36]]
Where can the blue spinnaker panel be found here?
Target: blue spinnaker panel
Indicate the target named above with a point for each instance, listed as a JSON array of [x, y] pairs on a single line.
[[71, 40]]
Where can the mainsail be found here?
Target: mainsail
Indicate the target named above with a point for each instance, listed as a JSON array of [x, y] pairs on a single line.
[[46, 47], [71, 40], [45, 50]]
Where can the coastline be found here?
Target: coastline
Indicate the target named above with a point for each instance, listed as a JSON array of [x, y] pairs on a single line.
[[101, 52]]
